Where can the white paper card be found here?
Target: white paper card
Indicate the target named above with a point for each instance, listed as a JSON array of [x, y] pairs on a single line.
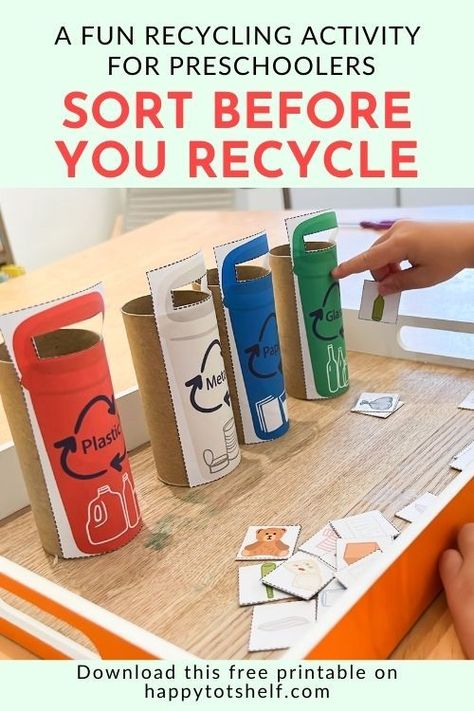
[[365, 525], [464, 458], [303, 575], [374, 307], [381, 415], [350, 575], [323, 545], [350, 551], [251, 589], [279, 626], [376, 402], [268, 542], [468, 402], [418, 507], [328, 597]]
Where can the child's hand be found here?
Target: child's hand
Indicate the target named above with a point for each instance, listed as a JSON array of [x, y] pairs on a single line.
[[436, 251], [457, 573]]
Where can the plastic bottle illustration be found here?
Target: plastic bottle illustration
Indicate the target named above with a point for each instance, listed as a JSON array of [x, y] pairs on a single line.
[[107, 519], [332, 370], [320, 302], [265, 569], [72, 399], [380, 404], [198, 382], [251, 310], [377, 308], [130, 501]]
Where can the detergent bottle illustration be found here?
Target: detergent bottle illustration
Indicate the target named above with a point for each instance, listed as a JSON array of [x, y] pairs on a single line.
[[321, 328], [73, 401], [253, 335], [189, 337]]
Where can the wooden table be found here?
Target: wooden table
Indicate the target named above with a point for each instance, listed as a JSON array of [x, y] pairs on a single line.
[[178, 578]]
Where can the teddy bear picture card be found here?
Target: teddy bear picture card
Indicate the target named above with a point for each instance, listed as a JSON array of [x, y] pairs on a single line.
[[268, 542], [303, 575]]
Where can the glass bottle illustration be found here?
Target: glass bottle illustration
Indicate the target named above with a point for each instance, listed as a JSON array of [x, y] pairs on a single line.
[[343, 376], [332, 370], [377, 308]]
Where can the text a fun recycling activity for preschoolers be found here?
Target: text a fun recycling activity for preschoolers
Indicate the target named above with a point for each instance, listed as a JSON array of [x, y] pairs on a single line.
[[287, 497]]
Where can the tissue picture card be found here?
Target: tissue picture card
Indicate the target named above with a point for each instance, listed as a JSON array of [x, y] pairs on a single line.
[[281, 625]]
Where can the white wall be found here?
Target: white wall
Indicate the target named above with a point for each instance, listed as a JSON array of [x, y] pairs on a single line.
[[44, 225]]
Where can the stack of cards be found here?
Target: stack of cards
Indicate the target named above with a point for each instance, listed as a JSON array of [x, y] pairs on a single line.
[[378, 404], [317, 574]]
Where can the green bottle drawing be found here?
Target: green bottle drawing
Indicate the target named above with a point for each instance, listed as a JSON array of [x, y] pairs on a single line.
[[377, 308], [321, 304], [265, 569]]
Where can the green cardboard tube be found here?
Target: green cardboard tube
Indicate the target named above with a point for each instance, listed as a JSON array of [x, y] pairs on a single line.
[[321, 305]]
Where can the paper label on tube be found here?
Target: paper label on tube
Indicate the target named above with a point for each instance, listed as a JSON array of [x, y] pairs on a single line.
[[318, 304], [196, 375], [76, 426], [250, 317]]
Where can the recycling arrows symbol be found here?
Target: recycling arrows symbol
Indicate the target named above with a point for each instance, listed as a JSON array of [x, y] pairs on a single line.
[[318, 316], [196, 384], [254, 351], [68, 445]]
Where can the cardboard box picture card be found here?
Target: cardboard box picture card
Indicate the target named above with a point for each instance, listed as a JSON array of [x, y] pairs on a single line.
[[251, 589], [251, 324], [62, 412], [195, 374], [350, 551], [275, 542], [309, 308], [281, 625], [303, 575]]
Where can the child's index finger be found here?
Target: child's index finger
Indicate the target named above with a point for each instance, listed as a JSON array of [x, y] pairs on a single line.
[[376, 257]]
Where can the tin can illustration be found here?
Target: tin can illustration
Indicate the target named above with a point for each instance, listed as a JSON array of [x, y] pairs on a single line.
[[73, 401], [320, 304], [196, 374], [255, 347]]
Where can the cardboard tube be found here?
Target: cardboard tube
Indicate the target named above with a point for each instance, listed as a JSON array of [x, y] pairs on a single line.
[[244, 271], [287, 317], [147, 356], [52, 344]]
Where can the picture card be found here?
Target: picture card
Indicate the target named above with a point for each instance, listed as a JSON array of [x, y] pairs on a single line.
[[468, 402], [323, 545], [303, 575], [418, 507], [350, 551], [352, 573], [374, 307], [268, 542], [251, 589], [279, 626], [377, 402], [328, 597], [381, 415], [365, 525], [463, 459]]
